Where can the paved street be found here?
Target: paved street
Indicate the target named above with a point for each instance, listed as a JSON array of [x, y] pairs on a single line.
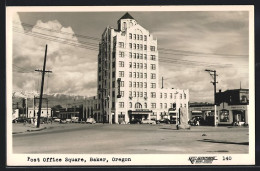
[[129, 139]]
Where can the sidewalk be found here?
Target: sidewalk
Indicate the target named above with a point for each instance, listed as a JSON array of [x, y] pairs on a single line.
[[19, 128]]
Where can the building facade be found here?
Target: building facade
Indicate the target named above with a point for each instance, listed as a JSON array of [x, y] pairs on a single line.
[[45, 112], [128, 76], [232, 107]]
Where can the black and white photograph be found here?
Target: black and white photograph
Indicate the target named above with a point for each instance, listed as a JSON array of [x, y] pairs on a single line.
[[135, 85]]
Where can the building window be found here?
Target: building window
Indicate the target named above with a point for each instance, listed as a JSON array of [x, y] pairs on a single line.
[[165, 95], [145, 75], [130, 93], [153, 85], [137, 75], [153, 57], [138, 37], [160, 95], [122, 93], [113, 93], [121, 54], [141, 75], [138, 94], [130, 74], [134, 94], [145, 38], [130, 64], [180, 96], [153, 95], [141, 37], [153, 75], [165, 105], [113, 74], [134, 55], [145, 84], [161, 105], [130, 104], [152, 48], [145, 56], [137, 84], [137, 55], [145, 94], [134, 85], [113, 105], [141, 85], [134, 46], [130, 35], [130, 54], [134, 36], [141, 56], [145, 105], [130, 45], [184, 96], [145, 47], [153, 66], [171, 95], [141, 94], [137, 46], [114, 64], [145, 66], [141, 46], [130, 83], [153, 105], [121, 73], [185, 105], [122, 84], [134, 66], [113, 84], [121, 44], [137, 65], [121, 64], [121, 104], [134, 75]]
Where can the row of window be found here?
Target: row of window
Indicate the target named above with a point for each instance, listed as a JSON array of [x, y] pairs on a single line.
[[140, 47], [138, 84], [137, 56], [137, 37], [140, 75], [153, 105]]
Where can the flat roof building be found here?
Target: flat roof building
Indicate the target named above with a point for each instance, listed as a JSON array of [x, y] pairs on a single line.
[[128, 76]]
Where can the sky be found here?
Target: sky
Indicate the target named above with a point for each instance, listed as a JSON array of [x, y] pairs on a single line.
[[188, 41]]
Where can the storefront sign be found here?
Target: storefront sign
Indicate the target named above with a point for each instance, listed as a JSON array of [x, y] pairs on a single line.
[[240, 107], [202, 108]]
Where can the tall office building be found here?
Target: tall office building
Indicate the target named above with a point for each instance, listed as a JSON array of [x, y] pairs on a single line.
[[128, 76]]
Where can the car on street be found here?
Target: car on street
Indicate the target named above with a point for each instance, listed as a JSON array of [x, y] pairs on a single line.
[[164, 120], [196, 121], [135, 121], [68, 120], [63, 121], [90, 121], [148, 121], [57, 120]]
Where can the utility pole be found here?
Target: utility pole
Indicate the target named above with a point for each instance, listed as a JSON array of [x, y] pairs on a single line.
[[214, 75], [162, 82], [42, 84]]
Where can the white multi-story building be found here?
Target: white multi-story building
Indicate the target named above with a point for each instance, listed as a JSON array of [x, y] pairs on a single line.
[[128, 76]]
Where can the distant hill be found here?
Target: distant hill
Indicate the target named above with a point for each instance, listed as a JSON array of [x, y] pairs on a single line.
[[53, 99]]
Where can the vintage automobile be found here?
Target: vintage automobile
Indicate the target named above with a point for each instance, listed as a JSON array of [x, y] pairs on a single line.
[[90, 121], [147, 121]]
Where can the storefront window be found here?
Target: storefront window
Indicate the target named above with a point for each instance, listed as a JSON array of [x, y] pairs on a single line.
[[224, 116]]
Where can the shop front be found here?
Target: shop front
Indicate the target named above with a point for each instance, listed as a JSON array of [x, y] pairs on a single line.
[[140, 114], [205, 113], [232, 114]]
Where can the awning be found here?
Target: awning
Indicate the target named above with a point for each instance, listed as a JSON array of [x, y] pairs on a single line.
[[140, 112]]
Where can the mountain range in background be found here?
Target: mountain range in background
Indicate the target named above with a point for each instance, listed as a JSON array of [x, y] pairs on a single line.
[[53, 99]]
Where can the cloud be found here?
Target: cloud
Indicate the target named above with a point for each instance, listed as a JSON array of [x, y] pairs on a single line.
[[73, 71]]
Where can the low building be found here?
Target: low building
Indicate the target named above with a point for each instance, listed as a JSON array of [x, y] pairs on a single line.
[[69, 113], [232, 107], [45, 112]]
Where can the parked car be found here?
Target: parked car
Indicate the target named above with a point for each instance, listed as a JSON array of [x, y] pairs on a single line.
[[196, 121], [75, 119], [68, 120], [147, 121], [63, 121], [57, 120], [165, 120], [135, 121], [91, 121]]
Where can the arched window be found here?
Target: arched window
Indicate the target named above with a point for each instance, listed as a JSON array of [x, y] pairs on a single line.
[[138, 105], [145, 105], [130, 104]]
